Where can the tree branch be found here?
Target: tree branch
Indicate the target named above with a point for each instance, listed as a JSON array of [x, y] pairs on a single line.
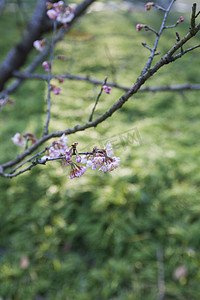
[[145, 75], [175, 88]]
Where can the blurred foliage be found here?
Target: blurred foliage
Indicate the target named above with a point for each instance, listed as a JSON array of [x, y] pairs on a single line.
[[96, 238]]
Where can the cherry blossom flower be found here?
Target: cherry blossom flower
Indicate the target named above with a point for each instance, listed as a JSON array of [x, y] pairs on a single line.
[[101, 159], [78, 158], [52, 14], [65, 16], [77, 172], [45, 64], [39, 44], [149, 5], [60, 12], [17, 139], [107, 89]]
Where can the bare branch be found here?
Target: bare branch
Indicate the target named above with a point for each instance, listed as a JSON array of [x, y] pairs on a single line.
[[97, 100], [49, 79], [149, 62], [173, 88]]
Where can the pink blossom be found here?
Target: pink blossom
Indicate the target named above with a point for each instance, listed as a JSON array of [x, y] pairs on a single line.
[[17, 139], [65, 17], [68, 154], [52, 14], [78, 158], [46, 65], [149, 5], [39, 45], [107, 89], [78, 172], [59, 11], [58, 148], [101, 159], [58, 5]]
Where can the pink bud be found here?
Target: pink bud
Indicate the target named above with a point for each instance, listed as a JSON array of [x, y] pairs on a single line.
[[149, 5], [139, 27], [45, 64], [181, 19]]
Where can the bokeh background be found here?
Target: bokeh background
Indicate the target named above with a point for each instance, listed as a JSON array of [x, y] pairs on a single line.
[[131, 234]]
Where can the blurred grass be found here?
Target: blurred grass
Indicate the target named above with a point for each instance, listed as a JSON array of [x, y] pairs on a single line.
[[97, 237]]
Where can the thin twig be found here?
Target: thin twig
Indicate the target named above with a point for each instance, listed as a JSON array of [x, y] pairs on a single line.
[[159, 7], [27, 160], [151, 29], [178, 40], [149, 62], [180, 87], [49, 79], [145, 45], [97, 100]]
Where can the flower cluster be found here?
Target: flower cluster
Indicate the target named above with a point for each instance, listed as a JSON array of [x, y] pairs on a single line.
[[101, 159], [60, 12], [18, 139], [107, 89]]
